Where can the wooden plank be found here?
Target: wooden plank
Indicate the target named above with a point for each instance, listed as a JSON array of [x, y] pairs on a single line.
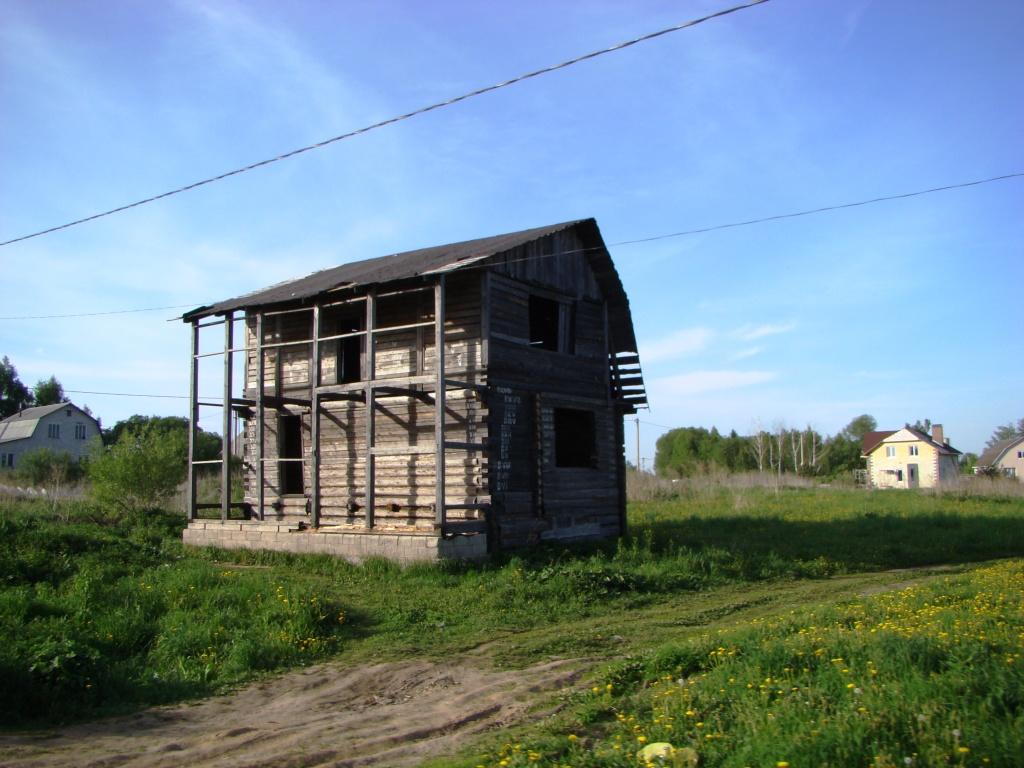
[[314, 423], [439, 398], [466, 526], [225, 440], [403, 450], [369, 375], [459, 446], [193, 421]]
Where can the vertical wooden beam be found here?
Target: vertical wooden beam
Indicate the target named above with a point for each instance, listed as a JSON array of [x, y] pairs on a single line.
[[314, 424], [193, 419], [225, 465], [369, 374], [439, 406], [485, 320], [607, 353], [261, 424]]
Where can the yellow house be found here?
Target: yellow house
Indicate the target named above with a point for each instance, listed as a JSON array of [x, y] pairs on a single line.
[[1005, 457], [909, 458]]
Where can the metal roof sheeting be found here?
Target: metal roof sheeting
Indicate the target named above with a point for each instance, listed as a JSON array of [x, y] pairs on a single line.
[[22, 425], [443, 258]]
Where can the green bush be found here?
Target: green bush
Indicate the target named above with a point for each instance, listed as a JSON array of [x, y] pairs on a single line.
[[46, 467], [140, 471]]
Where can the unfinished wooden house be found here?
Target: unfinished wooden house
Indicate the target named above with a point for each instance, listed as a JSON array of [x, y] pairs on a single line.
[[359, 439]]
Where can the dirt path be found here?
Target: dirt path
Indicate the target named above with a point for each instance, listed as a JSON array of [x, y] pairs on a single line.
[[395, 714]]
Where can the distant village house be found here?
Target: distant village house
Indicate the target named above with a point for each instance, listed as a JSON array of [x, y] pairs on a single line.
[[909, 458], [1005, 458], [62, 428]]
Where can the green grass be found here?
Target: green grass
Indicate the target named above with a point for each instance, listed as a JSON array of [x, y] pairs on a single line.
[[932, 674], [100, 614]]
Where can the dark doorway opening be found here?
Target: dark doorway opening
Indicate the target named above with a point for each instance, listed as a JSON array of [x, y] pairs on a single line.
[[291, 448]]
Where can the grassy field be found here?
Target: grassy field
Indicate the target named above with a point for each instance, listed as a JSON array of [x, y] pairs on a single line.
[[101, 615]]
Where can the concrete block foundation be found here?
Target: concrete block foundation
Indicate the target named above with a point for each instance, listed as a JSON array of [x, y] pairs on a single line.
[[351, 544]]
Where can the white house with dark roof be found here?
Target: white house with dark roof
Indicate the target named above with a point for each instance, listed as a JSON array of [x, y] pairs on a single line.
[[1005, 457], [62, 427]]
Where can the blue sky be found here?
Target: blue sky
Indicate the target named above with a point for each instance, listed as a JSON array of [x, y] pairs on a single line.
[[904, 310]]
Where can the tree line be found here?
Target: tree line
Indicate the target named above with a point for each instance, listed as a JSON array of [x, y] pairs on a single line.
[[687, 451]]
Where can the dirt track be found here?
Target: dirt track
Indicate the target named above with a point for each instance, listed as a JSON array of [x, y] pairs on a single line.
[[396, 714]]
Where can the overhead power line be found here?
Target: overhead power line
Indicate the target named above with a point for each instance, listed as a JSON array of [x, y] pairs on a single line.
[[97, 314], [396, 119], [650, 239], [811, 211], [125, 394]]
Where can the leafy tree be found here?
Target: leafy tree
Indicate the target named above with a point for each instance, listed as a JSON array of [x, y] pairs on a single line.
[[207, 443], [48, 392], [921, 426], [1004, 432], [841, 454], [968, 462], [140, 471], [13, 394], [859, 427]]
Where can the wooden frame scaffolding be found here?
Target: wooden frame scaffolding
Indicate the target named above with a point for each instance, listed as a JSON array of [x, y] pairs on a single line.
[[256, 403]]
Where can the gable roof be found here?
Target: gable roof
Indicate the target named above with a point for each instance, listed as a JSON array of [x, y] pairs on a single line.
[[23, 424], [870, 441], [873, 439], [992, 455], [440, 259]]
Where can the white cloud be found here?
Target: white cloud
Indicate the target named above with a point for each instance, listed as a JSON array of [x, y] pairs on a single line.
[[752, 332], [699, 382], [683, 342]]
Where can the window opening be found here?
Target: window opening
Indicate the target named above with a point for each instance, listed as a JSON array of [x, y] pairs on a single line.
[[575, 438], [913, 450], [291, 448], [890, 450], [544, 315], [53, 430], [349, 351]]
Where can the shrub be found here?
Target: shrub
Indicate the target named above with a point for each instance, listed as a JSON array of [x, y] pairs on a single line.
[[141, 470], [46, 467]]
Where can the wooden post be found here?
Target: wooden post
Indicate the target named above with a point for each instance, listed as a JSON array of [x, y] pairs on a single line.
[[314, 423], [225, 465], [193, 420], [369, 374], [260, 418], [485, 320], [439, 406]]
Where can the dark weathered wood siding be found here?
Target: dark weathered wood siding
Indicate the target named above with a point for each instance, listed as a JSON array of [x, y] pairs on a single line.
[[531, 497]]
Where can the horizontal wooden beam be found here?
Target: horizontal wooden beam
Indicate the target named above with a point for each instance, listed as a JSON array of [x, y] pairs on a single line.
[[457, 446], [402, 450], [456, 527]]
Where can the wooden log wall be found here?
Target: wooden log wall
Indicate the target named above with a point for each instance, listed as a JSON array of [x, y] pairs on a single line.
[[405, 482], [532, 497]]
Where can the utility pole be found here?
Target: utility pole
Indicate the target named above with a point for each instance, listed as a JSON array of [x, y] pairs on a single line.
[[639, 468]]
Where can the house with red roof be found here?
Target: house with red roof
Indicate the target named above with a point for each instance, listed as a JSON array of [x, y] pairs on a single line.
[[909, 458]]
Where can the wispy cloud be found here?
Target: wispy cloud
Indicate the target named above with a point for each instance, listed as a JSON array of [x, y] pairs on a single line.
[[753, 332], [743, 354], [683, 342], [700, 382]]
